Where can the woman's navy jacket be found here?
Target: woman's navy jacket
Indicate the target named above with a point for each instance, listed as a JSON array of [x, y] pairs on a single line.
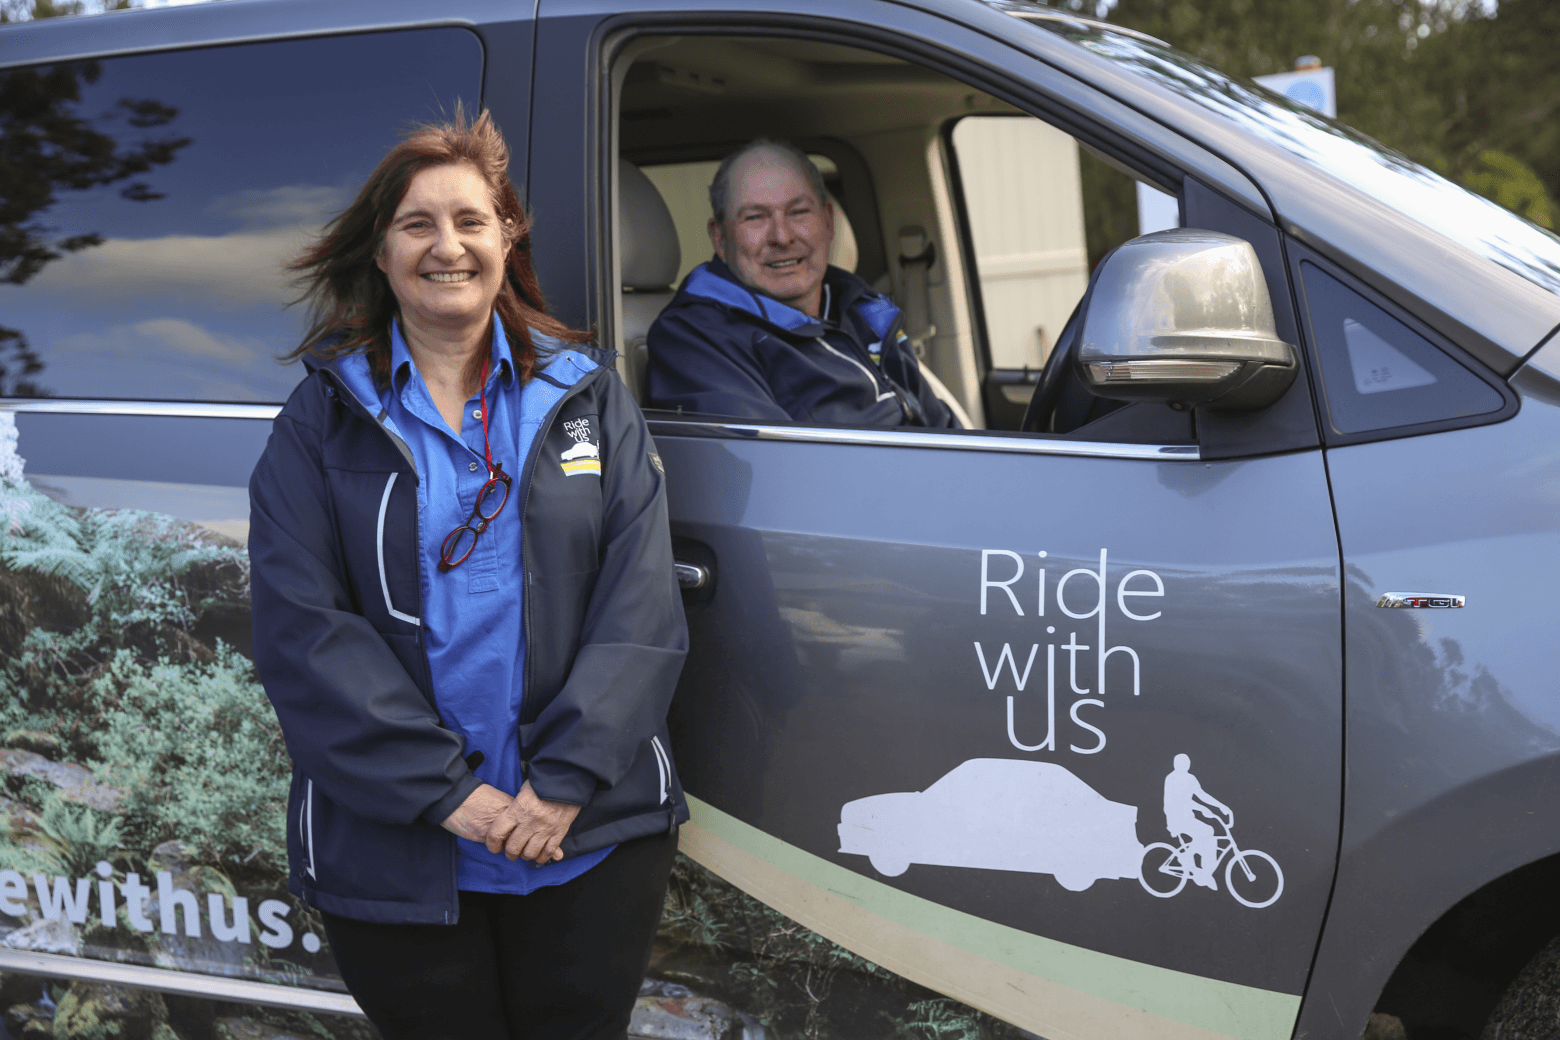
[[333, 545]]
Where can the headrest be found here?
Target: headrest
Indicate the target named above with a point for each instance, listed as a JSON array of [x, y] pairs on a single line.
[[842, 251], [651, 255]]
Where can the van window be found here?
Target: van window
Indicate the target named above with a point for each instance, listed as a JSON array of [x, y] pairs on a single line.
[[1378, 372], [979, 220], [160, 196], [1024, 203], [1041, 213]]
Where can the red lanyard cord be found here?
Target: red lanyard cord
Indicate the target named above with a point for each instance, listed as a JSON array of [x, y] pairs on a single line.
[[487, 449], [478, 521]]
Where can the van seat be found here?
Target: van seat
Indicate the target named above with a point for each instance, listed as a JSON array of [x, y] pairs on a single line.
[[843, 251], [651, 257]]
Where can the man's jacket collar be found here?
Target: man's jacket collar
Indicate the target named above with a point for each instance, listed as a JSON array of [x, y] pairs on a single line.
[[714, 281]]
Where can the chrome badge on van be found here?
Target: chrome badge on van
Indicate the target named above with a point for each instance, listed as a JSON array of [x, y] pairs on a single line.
[[1420, 600]]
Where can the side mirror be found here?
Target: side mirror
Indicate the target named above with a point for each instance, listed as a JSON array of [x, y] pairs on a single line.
[[1184, 317]]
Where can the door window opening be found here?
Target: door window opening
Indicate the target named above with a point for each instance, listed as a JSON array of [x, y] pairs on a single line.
[[1038, 209]]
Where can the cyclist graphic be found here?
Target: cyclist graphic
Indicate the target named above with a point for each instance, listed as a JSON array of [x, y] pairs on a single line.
[[1185, 801], [1252, 877]]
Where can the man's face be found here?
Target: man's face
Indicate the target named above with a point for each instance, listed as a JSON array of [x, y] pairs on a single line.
[[776, 234]]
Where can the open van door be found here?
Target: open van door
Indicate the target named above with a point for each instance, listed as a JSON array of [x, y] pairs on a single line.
[[949, 693]]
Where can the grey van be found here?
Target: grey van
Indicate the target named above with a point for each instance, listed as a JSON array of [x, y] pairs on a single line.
[[1200, 688]]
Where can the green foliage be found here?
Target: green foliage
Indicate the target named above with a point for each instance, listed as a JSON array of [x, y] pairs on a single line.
[[94, 1011], [1492, 83], [70, 840], [792, 979], [703, 910], [197, 750], [944, 1019], [28, 859], [141, 582], [116, 676], [302, 1023], [79, 837], [1110, 213], [29, 10], [30, 790], [134, 569], [1446, 82], [783, 972], [695, 900], [1506, 180], [183, 729]]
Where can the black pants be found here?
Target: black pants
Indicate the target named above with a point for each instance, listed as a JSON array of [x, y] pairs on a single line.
[[563, 963]]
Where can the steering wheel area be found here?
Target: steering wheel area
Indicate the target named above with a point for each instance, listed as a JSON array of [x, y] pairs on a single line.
[[1040, 416]]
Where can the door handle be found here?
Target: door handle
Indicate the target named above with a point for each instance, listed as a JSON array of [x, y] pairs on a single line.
[[691, 575]]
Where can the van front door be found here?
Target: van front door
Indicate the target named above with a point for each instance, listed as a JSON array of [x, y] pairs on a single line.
[[939, 696], [1050, 725]]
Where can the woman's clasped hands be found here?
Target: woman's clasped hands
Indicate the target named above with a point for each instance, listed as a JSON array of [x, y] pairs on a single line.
[[522, 827]]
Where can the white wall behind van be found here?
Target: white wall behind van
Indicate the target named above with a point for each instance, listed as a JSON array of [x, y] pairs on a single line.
[[1024, 202]]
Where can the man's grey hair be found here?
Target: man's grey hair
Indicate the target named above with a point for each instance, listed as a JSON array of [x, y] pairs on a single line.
[[720, 187]]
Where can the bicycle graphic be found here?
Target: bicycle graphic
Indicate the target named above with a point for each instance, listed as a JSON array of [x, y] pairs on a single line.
[[1170, 866]]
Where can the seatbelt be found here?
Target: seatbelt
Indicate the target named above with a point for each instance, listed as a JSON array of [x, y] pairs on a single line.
[[917, 253]]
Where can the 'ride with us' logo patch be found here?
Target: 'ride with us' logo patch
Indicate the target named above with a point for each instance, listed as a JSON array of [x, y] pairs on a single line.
[[584, 455]]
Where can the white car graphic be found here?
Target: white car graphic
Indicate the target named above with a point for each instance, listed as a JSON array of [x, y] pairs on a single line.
[[998, 814], [582, 450]]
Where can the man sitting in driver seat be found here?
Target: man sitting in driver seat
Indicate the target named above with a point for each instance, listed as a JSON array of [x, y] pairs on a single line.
[[767, 329]]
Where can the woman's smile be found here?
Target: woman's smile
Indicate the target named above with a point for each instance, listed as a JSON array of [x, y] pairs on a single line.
[[443, 253]]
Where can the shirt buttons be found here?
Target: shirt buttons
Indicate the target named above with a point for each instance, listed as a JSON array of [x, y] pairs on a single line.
[[476, 413], [472, 467]]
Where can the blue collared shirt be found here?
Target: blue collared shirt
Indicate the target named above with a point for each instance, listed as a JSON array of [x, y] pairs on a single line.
[[472, 615]]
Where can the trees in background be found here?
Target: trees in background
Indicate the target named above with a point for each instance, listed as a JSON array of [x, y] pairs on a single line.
[[1473, 93], [26, 10], [1495, 91]]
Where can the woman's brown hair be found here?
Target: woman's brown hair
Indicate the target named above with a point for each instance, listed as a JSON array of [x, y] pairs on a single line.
[[349, 298]]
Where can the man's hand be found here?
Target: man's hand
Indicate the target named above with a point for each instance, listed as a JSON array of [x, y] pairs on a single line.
[[531, 828], [476, 814]]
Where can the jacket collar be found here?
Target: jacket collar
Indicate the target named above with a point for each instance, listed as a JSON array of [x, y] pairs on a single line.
[[353, 372], [559, 363], [715, 282]]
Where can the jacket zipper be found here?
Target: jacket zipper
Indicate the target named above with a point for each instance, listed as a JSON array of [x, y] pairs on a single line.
[[907, 404], [907, 409], [348, 393], [877, 388]]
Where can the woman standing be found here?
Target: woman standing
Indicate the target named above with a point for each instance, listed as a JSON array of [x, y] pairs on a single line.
[[467, 620]]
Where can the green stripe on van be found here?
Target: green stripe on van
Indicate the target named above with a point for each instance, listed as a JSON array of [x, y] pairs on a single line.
[[1221, 1007]]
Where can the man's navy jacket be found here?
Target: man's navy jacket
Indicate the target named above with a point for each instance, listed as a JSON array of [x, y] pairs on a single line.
[[721, 349], [337, 594]]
